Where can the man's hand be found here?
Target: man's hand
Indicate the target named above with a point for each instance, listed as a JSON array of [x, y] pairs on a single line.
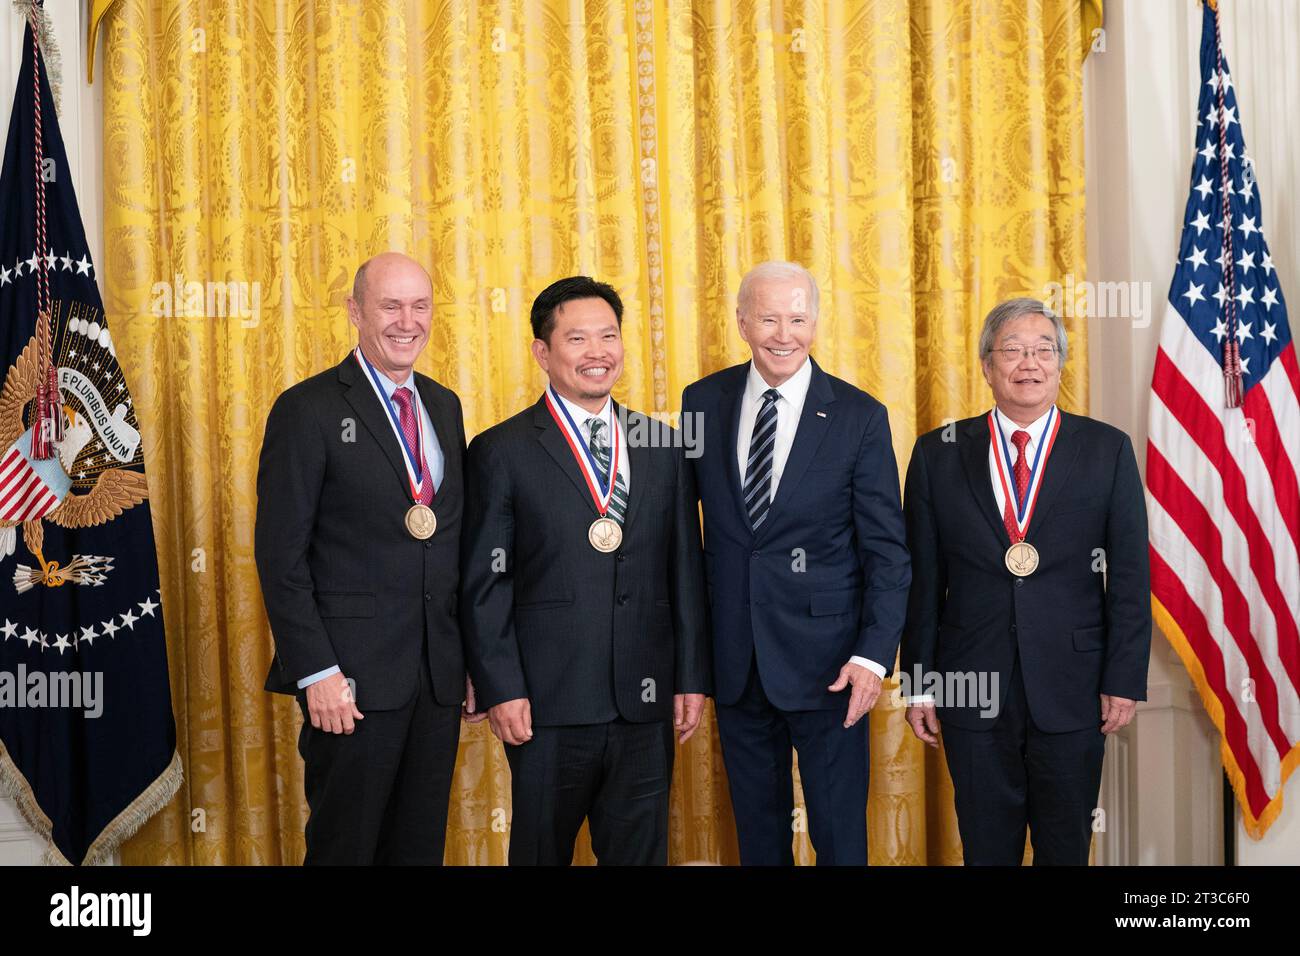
[[512, 721], [330, 705], [924, 721], [866, 688], [687, 710], [1116, 712], [467, 710]]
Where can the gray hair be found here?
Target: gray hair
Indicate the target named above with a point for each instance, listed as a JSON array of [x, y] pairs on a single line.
[[359, 281], [1004, 312], [776, 270]]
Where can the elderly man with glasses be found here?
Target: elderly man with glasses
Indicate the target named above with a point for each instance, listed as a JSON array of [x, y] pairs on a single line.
[[1029, 625]]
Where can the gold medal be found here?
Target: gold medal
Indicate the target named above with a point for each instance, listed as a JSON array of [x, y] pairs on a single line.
[[421, 522], [1022, 559], [605, 535]]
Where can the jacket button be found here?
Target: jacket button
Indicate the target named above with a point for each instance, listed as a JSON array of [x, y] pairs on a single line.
[[428, 545], [428, 596], [1020, 582], [1013, 629], [620, 556], [622, 599], [753, 554]]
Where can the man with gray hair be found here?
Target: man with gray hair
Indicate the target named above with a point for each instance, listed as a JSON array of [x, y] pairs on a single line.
[[807, 573], [1028, 533]]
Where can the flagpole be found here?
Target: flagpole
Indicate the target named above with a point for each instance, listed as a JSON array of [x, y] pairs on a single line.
[[1229, 823], [1232, 377], [47, 429]]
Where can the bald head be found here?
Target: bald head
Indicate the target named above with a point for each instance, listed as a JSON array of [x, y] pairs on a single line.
[[376, 265], [391, 305]]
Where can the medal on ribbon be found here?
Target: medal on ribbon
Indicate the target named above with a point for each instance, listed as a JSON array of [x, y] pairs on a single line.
[[605, 534], [420, 520], [1022, 558]]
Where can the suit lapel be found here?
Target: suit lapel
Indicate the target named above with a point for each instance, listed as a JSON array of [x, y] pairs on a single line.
[[729, 423], [360, 394], [973, 447], [1056, 472], [444, 430], [553, 440], [638, 458], [814, 423]]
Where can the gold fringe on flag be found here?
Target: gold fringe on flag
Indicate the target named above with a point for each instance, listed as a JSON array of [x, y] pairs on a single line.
[[152, 799]]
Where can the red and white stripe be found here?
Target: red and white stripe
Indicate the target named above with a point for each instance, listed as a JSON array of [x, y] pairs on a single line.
[[23, 495], [1225, 542]]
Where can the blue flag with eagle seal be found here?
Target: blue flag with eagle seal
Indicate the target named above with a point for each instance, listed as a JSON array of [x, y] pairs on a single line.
[[87, 736]]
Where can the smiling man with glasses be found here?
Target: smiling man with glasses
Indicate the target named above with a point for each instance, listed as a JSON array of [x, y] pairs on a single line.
[[1028, 533]]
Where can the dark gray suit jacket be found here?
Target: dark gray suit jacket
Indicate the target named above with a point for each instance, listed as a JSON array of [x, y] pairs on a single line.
[[343, 581], [585, 636], [1074, 632]]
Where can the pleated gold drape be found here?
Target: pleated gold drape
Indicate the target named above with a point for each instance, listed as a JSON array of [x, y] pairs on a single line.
[[923, 159]]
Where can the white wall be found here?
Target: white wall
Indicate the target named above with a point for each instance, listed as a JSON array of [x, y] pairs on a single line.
[[81, 119], [1140, 103]]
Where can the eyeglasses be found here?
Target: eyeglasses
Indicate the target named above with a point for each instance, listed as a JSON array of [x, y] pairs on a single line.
[[1018, 353]]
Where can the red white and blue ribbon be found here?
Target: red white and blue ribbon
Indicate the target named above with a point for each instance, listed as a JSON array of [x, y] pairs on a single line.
[[602, 491], [1023, 508], [412, 458]]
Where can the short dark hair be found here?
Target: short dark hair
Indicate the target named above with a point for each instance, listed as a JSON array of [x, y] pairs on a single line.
[[566, 290]]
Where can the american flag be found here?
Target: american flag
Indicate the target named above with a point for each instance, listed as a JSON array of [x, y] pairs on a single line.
[[1221, 482]]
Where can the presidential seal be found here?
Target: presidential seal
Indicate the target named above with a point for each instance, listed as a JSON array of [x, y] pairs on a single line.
[[95, 439]]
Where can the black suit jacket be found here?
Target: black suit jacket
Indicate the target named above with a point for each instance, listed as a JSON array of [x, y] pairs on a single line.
[[825, 578], [343, 581], [585, 636], [1078, 633]]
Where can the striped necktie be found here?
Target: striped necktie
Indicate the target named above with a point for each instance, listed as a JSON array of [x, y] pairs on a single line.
[[758, 470], [600, 451]]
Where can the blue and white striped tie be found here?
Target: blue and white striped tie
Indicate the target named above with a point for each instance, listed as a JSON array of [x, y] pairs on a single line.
[[758, 471]]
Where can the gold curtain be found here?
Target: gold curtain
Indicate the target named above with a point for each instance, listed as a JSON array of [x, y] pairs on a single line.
[[924, 159]]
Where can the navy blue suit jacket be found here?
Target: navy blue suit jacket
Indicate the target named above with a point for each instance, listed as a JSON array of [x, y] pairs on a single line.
[[1076, 632], [826, 576]]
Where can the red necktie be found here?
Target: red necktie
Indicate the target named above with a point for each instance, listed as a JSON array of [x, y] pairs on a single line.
[[402, 396], [1021, 472]]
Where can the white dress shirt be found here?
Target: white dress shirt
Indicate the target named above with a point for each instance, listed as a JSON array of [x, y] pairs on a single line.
[[1036, 430], [434, 460], [789, 408], [580, 418]]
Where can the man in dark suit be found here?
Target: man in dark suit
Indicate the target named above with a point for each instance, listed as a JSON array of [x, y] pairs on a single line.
[[582, 595], [1029, 620], [359, 498], [807, 573]]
